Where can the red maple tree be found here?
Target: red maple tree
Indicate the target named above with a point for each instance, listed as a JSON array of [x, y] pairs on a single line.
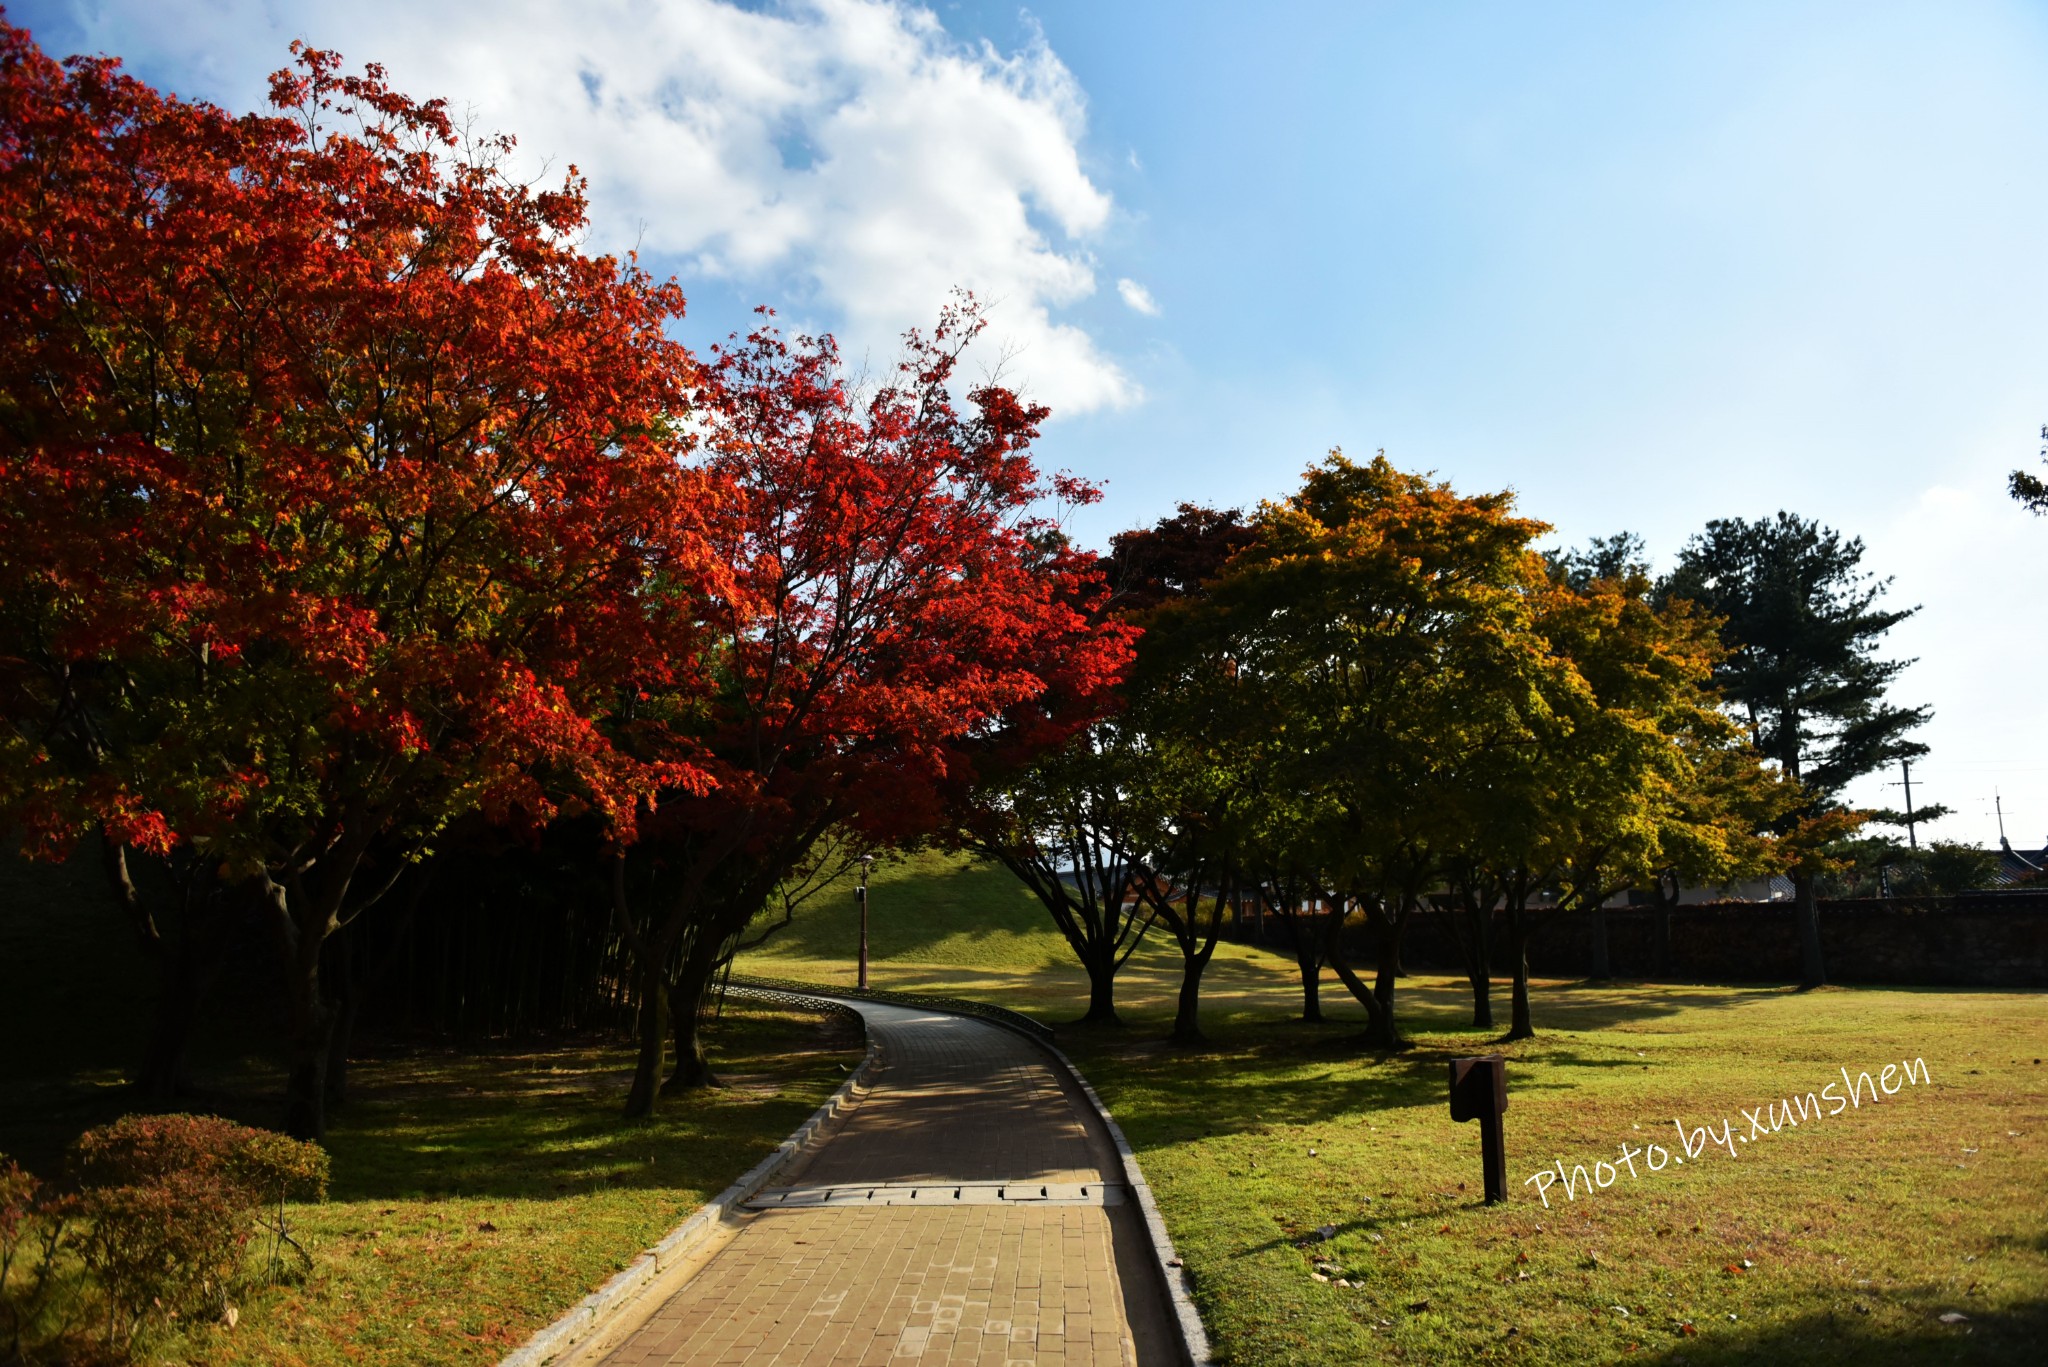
[[334, 479], [895, 589]]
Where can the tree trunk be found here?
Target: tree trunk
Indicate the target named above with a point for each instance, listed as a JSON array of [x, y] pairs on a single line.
[[653, 1034], [1309, 954], [1311, 968], [1379, 1029], [1806, 911], [686, 1021], [1479, 968], [1187, 1028], [1102, 992], [1519, 1026], [305, 1090], [1603, 966]]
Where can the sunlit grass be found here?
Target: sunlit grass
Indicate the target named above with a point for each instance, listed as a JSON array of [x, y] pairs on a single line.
[[1849, 1236], [1859, 1230]]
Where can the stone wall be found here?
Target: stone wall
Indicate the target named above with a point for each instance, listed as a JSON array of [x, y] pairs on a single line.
[[1986, 940]]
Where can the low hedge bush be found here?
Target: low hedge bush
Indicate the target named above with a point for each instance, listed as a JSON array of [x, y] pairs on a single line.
[[159, 1226]]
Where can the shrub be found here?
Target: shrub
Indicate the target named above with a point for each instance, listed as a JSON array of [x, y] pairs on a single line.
[[139, 1150], [31, 1232], [17, 1207], [17, 1201], [167, 1199], [168, 1246]]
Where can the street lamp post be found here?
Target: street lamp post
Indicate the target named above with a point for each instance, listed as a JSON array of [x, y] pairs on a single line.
[[860, 895]]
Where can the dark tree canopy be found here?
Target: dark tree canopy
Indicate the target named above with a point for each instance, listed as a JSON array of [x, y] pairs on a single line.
[[1802, 623], [1147, 566]]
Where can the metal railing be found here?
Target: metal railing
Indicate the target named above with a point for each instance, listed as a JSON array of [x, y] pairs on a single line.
[[802, 1001]]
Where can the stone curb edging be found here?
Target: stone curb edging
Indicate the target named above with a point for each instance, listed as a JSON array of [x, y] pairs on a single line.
[[591, 1313], [1193, 1337]]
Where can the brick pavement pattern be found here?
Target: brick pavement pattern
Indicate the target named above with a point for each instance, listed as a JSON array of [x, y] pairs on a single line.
[[997, 1285]]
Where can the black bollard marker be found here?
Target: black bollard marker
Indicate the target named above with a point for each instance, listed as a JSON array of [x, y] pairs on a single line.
[[1479, 1091]]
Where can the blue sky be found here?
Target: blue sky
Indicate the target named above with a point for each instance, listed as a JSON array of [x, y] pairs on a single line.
[[1645, 264]]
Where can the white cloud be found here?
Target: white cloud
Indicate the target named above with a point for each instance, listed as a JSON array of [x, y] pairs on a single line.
[[1138, 297], [846, 156]]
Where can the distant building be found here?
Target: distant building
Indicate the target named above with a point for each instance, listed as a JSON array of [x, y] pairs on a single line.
[[2018, 866]]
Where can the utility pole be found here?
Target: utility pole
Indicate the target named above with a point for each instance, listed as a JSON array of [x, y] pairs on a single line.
[[860, 894], [1906, 768]]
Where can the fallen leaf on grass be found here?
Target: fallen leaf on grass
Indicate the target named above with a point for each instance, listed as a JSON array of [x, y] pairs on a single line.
[[1954, 1317], [1417, 1307], [486, 1227]]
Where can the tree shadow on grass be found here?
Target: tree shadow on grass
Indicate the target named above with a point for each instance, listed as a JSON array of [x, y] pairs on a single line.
[[535, 1124], [2012, 1336], [1321, 1082], [533, 1121]]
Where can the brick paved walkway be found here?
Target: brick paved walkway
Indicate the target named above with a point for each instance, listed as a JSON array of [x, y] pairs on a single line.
[[937, 1280]]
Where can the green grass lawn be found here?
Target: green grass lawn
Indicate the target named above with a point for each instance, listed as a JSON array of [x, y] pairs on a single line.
[[477, 1193], [1846, 1237]]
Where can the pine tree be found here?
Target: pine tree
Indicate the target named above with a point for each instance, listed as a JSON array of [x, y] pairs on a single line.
[[1802, 622]]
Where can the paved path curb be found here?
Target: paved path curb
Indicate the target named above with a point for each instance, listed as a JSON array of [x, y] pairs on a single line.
[[590, 1314], [1187, 1321]]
